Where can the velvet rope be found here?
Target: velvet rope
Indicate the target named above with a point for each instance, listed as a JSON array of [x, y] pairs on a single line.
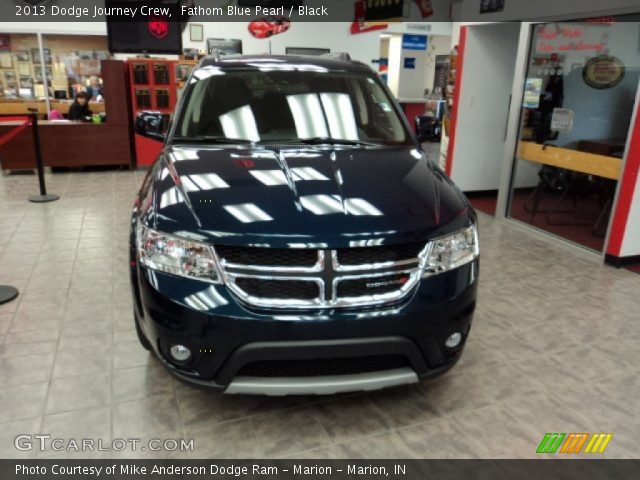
[[16, 131]]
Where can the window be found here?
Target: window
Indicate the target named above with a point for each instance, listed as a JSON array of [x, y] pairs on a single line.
[[578, 102], [277, 105]]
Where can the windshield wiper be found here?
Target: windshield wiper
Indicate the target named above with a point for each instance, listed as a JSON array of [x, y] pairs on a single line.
[[216, 139]]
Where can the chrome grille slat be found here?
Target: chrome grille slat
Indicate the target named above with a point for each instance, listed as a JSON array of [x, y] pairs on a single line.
[[275, 302], [328, 274], [263, 267], [370, 266]]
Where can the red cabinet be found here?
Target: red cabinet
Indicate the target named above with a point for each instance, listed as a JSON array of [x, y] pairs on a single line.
[[153, 88]]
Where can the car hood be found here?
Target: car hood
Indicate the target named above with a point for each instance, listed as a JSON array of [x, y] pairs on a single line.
[[304, 196]]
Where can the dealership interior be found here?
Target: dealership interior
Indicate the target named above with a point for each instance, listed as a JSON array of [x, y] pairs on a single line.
[[536, 123]]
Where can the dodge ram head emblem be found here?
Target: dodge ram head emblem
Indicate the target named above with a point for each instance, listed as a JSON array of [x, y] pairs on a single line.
[[159, 28]]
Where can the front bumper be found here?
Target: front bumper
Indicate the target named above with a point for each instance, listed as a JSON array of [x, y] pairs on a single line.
[[226, 336]]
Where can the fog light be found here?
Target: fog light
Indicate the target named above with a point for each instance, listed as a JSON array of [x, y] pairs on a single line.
[[180, 353], [454, 340]]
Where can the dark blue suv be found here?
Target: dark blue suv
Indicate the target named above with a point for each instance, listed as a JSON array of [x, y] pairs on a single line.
[[293, 238]]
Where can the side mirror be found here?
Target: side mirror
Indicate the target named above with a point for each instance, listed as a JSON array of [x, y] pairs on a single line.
[[153, 125]]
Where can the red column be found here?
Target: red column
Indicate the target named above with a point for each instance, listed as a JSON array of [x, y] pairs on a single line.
[[628, 181], [456, 98]]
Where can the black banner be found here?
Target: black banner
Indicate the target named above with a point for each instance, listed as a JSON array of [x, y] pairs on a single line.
[[383, 9], [326, 469], [359, 11]]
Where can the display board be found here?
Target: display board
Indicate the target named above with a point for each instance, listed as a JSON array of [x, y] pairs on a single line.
[[153, 88], [155, 85]]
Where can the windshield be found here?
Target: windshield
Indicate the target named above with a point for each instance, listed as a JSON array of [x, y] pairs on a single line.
[[265, 106]]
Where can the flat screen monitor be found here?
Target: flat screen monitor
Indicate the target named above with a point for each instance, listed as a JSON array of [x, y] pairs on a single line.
[[226, 46], [146, 36]]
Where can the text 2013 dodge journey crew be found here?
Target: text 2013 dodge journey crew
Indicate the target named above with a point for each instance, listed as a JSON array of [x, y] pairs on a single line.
[[293, 238]]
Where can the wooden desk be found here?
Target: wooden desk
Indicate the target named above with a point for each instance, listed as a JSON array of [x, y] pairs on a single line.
[[604, 166], [73, 144], [66, 144], [611, 148], [590, 163], [22, 108]]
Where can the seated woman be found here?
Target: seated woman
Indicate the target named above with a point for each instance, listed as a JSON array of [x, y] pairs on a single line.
[[79, 111]]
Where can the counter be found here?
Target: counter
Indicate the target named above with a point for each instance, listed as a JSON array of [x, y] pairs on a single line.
[[16, 107], [78, 144]]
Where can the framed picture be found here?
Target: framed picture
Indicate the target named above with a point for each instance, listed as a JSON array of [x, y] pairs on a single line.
[[491, 6], [22, 55], [88, 68], [26, 87], [35, 54], [10, 83], [6, 60], [26, 82], [10, 78], [196, 32], [38, 73], [183, 71], [24, 69]]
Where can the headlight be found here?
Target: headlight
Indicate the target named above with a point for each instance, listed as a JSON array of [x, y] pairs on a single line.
[[452, 251], [177, 256]]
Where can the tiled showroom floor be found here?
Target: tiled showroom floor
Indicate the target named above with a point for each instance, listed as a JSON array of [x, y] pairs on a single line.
[[555, 347]]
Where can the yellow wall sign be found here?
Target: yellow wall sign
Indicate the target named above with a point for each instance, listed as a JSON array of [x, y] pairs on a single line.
[[603, 72]]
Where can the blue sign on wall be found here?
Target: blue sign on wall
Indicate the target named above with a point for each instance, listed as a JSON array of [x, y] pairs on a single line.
[[410, 63], [414, 42]]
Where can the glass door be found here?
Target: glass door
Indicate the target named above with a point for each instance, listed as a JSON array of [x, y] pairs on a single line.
[[578, 101]]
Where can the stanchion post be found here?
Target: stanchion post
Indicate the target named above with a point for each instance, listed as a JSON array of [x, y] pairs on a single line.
[[43, 197]]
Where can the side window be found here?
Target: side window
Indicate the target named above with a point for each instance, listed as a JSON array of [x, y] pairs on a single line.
[[360, 106], [383, 115], [192, 114]]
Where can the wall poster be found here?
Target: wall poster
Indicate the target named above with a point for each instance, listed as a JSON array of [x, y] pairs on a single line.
[[532, 92], [562, 120]]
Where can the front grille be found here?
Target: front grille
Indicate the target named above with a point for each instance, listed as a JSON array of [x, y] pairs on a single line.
[[309, 279], [371, 255], [268, 257], [278, 289], [323, 366], [371, 285]]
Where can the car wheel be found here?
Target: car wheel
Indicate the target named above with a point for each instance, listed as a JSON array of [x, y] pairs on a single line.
[[141, 337]]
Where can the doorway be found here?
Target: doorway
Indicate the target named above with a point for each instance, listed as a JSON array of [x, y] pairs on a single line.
[[489, 58], [578, 101]]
